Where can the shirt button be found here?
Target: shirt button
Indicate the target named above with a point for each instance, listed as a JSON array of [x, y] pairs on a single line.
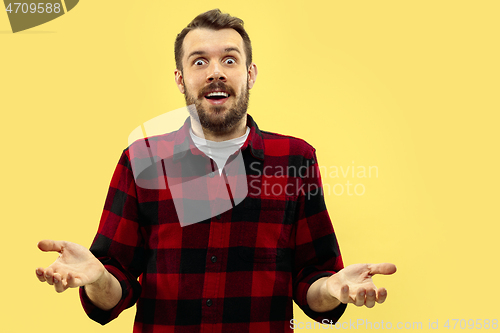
[[211, 174], [209, 302], [218, 217], [214, 258]]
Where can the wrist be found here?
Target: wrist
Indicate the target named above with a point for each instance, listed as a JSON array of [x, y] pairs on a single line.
[[105, 292], [319, 297], [103, 279], [326, 292]]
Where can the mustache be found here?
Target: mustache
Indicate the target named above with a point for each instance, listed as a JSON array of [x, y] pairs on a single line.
[[214, 86]]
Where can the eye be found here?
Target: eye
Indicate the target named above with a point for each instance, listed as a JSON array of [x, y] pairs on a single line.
[[230, 61], [199, 62]]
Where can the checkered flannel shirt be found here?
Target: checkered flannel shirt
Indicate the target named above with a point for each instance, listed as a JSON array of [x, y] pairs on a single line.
[[237, 271]]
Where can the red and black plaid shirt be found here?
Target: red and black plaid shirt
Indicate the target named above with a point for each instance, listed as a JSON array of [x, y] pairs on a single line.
[[237, 271]]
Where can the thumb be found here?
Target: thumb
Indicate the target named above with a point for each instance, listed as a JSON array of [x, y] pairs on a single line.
[[47, 245], [382, 268]]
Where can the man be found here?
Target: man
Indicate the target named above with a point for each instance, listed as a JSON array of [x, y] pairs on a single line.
[[238, 269]]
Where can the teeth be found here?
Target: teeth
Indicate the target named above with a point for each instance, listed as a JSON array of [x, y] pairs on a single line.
[[218, 93]]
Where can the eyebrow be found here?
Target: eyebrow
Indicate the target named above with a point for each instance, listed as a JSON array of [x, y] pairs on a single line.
[[226, 50]]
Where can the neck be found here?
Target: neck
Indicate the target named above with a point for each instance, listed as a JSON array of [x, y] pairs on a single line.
[[238, 130]]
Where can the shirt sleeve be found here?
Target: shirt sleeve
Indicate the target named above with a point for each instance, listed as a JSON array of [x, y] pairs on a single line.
[[119, 244], [317, 252]]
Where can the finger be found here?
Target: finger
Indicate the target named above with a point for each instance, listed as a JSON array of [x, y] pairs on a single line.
[[371, 296], [50, 245], [49, 276], [381, 295], [360, 297], [383, 268], [58, 283], [344, 294], [40, 274]]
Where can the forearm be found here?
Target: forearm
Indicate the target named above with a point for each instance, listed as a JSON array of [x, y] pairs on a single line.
[[106, 292], [319, 299]]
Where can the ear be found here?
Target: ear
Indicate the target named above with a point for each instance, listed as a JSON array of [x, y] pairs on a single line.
[[252, 75], [178, 81]]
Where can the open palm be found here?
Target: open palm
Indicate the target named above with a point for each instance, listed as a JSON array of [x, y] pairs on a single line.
[[354, 284], [76, 265]]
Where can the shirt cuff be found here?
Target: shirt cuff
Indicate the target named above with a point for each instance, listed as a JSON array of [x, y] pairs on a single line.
[[331, 316], [105, 316]]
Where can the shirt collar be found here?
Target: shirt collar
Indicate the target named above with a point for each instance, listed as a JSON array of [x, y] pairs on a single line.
[[183, 141]]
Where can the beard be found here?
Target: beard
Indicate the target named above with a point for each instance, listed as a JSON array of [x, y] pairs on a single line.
[[217, 122]]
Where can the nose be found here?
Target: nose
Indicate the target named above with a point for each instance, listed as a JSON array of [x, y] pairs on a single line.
[[216, 74]]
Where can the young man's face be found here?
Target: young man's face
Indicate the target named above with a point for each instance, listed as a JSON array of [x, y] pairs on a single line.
[[215, 60]]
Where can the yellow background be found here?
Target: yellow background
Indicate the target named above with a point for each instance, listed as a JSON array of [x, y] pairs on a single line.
[[409, 87]]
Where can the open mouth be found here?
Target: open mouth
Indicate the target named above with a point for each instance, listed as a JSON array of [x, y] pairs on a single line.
[[217, 97]]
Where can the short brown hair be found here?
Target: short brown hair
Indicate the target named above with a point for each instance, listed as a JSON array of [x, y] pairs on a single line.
[[215, 20]]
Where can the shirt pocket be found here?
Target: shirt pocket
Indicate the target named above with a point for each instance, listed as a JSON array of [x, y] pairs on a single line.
[[266, 239]]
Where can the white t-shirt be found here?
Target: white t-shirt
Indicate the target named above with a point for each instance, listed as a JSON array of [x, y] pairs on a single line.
[[219, 151]]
